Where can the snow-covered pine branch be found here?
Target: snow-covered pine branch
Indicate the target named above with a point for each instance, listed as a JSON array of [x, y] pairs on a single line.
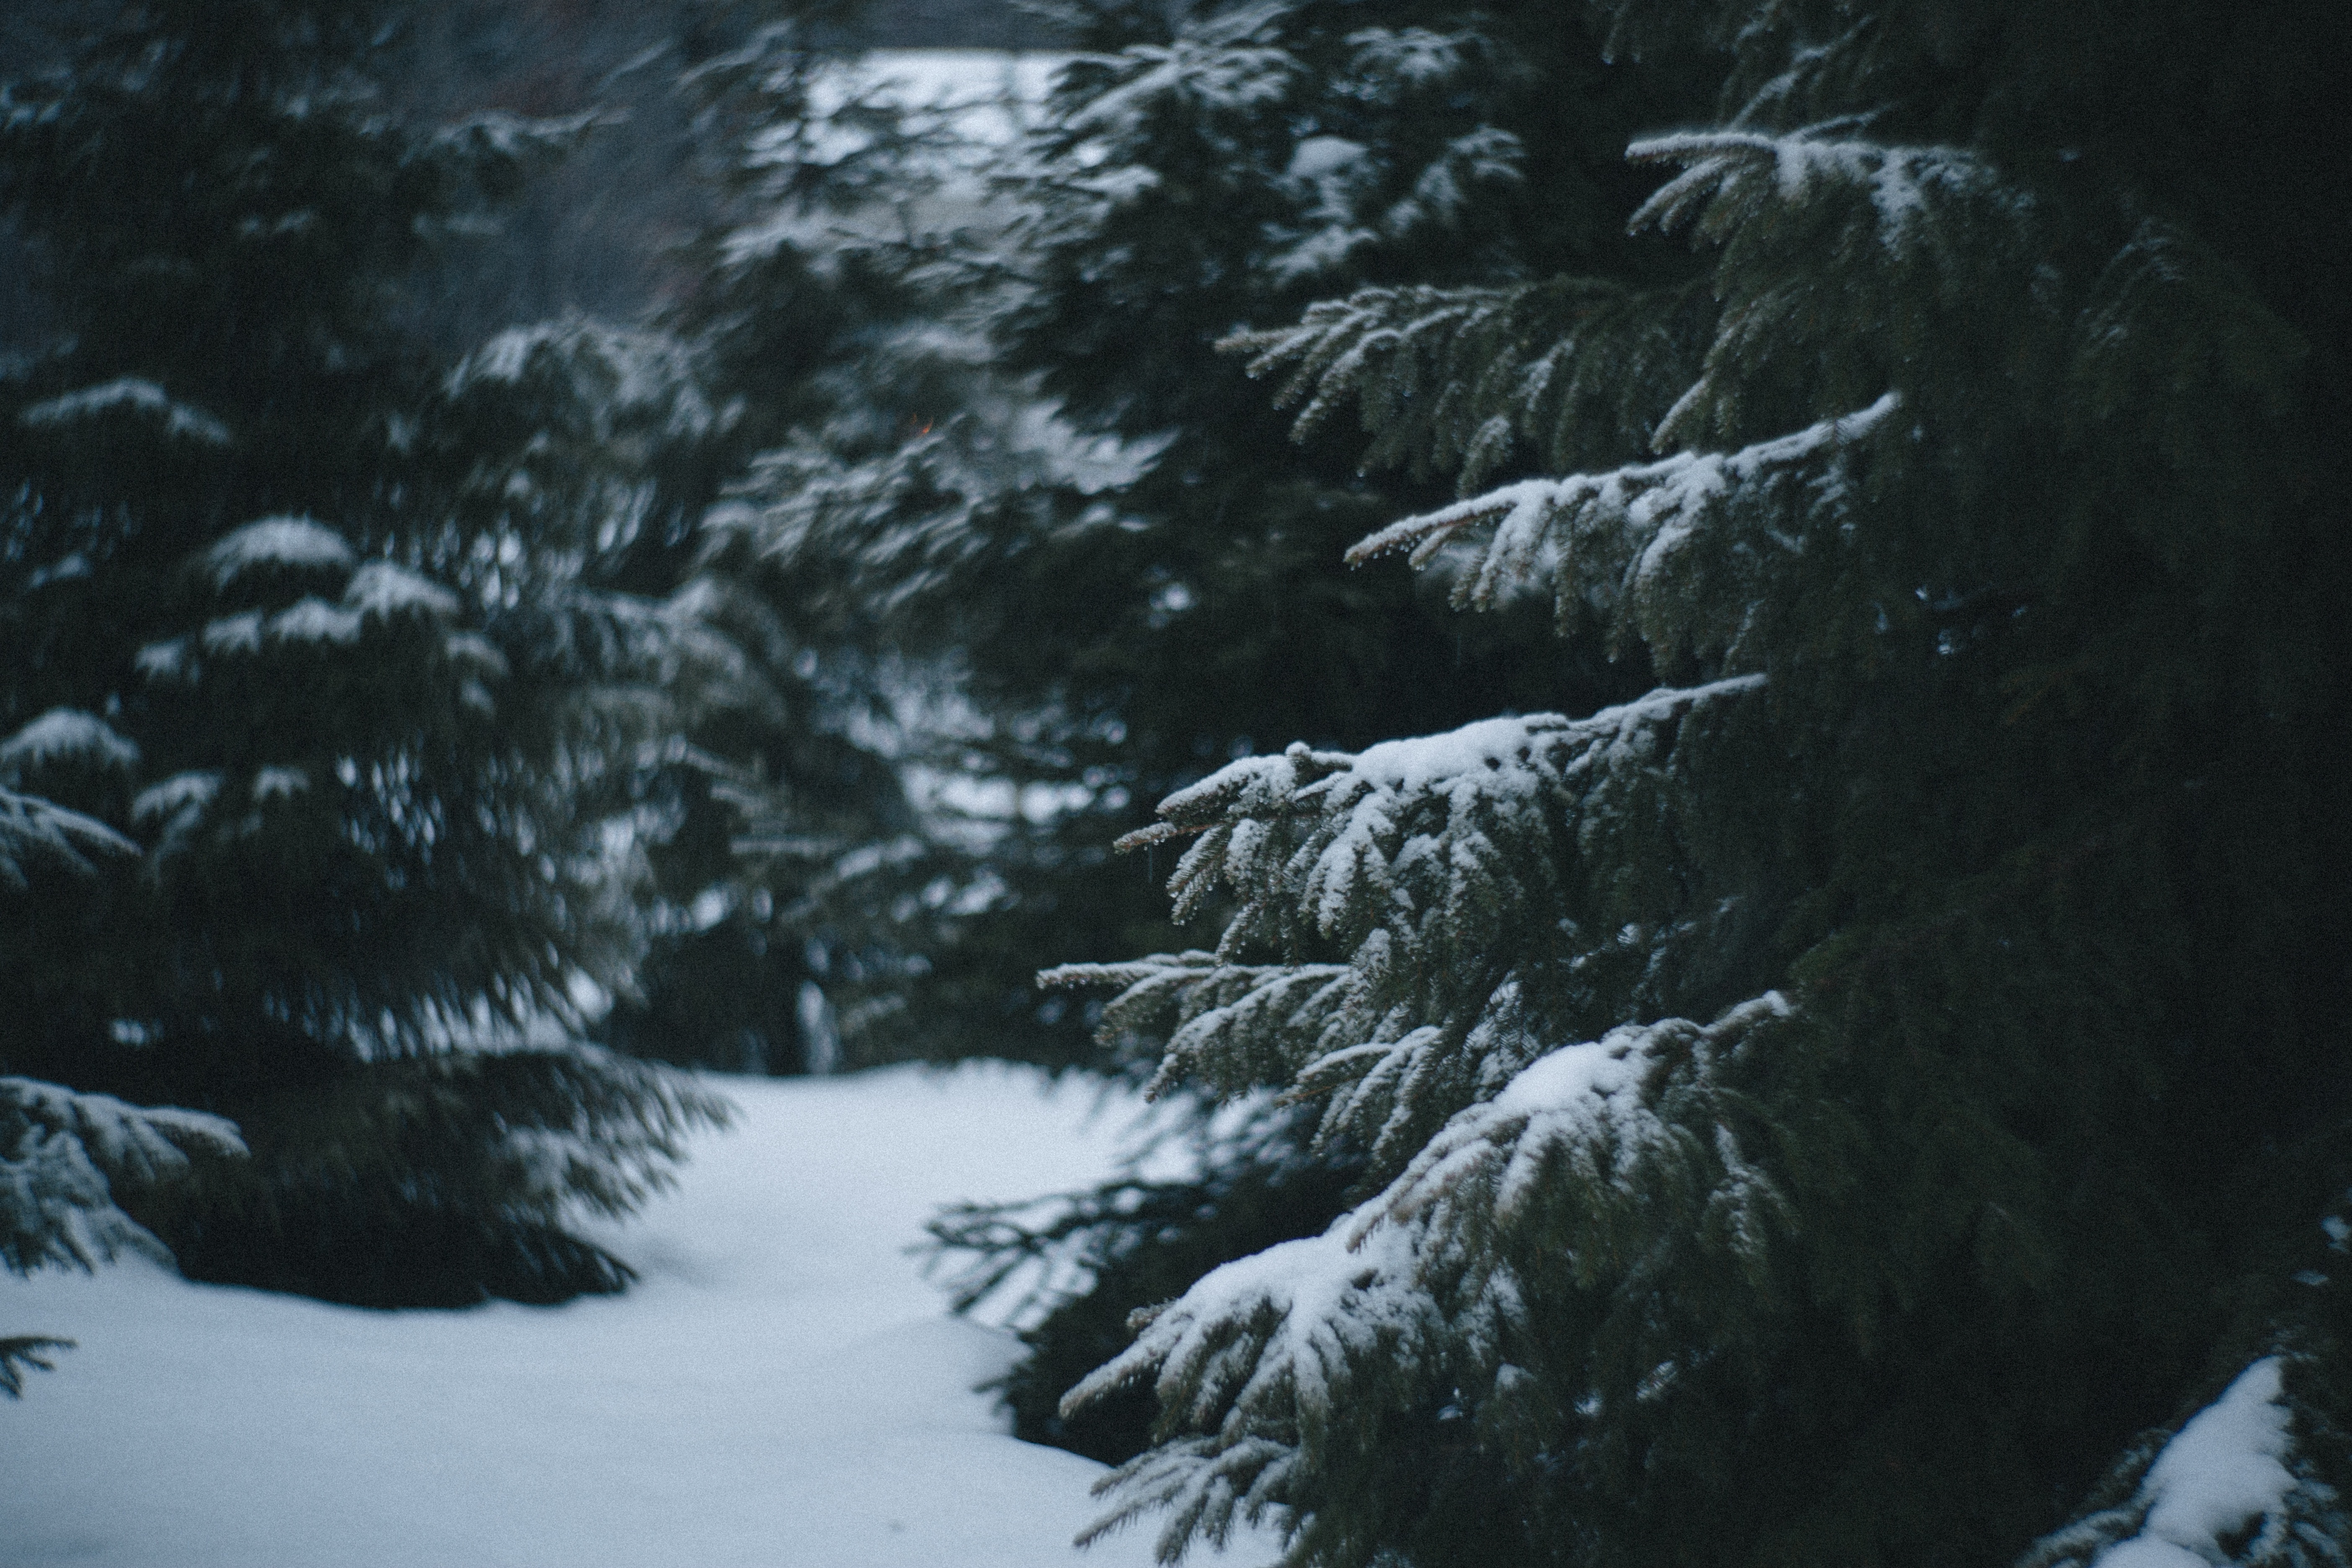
[[1203, 1485], [1428, 1049], [1224, 65], [1838, 252], [1580, 369], [1255, 1363], [61, 1154], [1416, 1295], [2233, 1483], [1634, 1112], [1731, 178], [1231, 1026], [316, 596], [489, 155], [128, 396], [895, 525], [35, 832], [288, 545], [68, 736], [1411, 858], [1299, 123], [1573, 371], [1677, 553], [580, 379], [885, 532]]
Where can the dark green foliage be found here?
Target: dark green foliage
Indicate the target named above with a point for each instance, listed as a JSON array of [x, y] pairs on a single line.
[[1839, 1106], [765, 954], [434, 1181], [1134, 1244], [301, 606], [1052, 488]]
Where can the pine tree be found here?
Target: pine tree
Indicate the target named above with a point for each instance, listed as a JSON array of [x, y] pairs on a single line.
[[304, 608], [1880, 1095], [789, 863]]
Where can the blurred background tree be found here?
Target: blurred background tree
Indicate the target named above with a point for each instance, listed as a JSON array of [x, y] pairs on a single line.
[[288, 604]]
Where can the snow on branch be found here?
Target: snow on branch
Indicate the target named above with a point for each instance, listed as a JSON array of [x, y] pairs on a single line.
[[179, 800], [1226, 1024], [1578, 369], [66, 734], [1833, 247], [1256, 1358], [1584, 1119], [1344, 834], [60, 1154], [1729, 176], [899, 524], [310, 619], [32, 830], [574, 371], [2228, 1487], [1259, 1358], [1202, 1483], [383, 590], [497, 147], [282, 543], [1409, 857], [1218, 64], [1621, 540], [129, 395], [1336, 183], [891, 530]]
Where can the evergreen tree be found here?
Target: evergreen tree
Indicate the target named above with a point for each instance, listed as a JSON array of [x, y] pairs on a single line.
[[305, 609], [787, 856], [1881, 1095]]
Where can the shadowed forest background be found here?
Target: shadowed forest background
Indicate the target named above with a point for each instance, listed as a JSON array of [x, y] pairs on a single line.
[[1722, 619]]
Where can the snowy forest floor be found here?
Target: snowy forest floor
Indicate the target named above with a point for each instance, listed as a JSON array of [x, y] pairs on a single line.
[[782, 1386]]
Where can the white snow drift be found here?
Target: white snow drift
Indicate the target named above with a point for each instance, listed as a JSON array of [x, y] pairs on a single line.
[[781, 1388]]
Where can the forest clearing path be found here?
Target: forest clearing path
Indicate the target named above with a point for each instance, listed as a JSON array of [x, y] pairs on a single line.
[[781, 1389]]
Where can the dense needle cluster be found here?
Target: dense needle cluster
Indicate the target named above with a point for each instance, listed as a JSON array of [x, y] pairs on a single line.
[[1862, 1099], [318, 717]]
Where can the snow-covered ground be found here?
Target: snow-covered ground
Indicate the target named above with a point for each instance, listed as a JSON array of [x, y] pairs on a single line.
[[781, 1388]]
